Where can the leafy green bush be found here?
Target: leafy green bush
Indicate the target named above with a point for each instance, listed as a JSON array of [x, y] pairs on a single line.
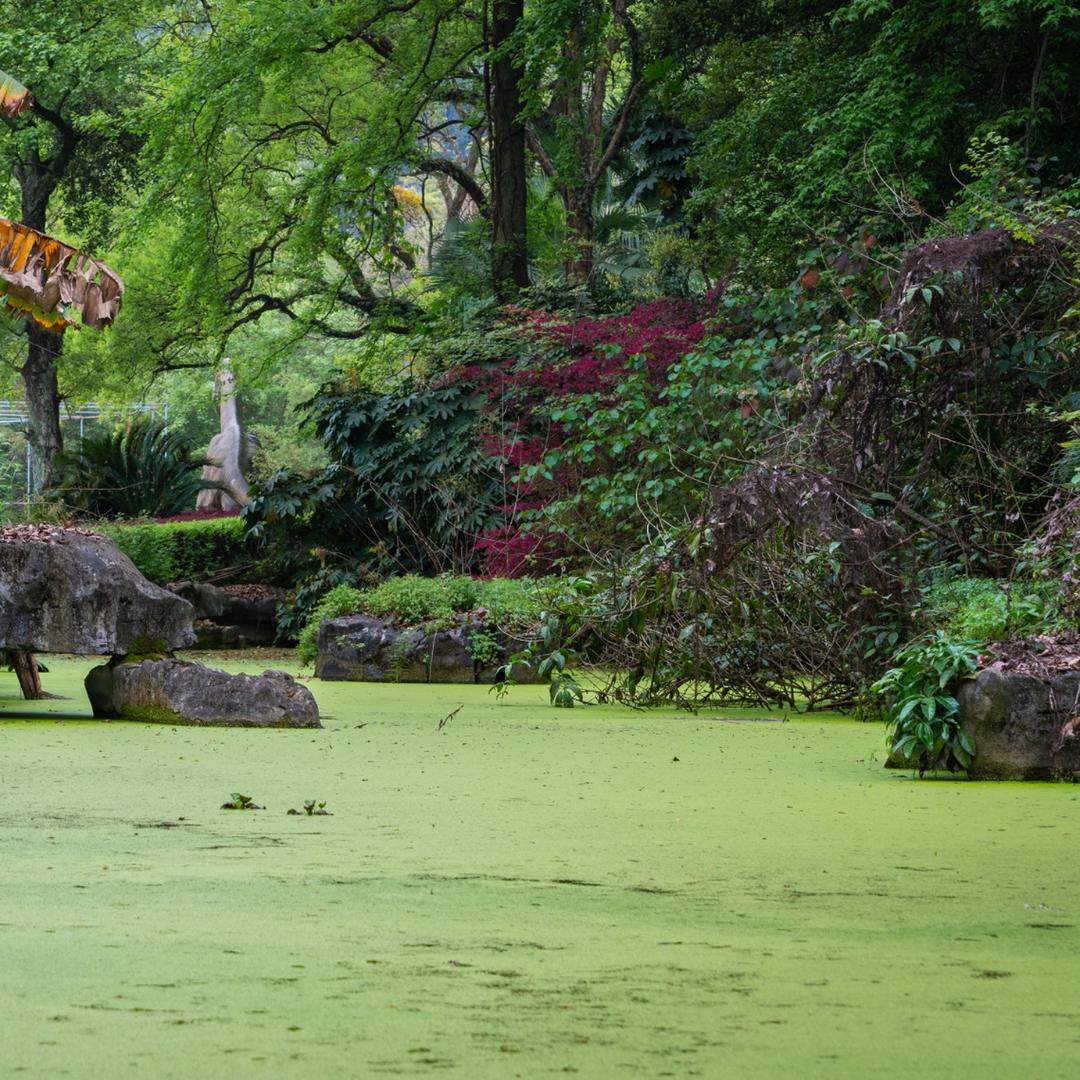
[[923, 713], [462, 593], [177, 550], [506, 602], [484, 648], [642, 450], [514, 603], [141, 470], [409, 483], [411, 599], [985, 609]]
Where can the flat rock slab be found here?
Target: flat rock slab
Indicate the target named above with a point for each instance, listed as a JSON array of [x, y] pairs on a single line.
[[170, 691], [366, 649], [65, 590]]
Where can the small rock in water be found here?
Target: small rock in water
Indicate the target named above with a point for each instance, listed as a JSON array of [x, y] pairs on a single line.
[[183, 692]]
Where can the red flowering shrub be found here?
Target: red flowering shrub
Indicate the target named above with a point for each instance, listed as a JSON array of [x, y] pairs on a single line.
[[568, 356]]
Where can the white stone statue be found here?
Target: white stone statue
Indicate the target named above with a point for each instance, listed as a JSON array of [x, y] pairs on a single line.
[[229, 454]]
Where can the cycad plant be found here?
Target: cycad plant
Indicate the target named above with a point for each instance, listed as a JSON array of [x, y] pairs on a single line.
[[142, 469], [620, 232]]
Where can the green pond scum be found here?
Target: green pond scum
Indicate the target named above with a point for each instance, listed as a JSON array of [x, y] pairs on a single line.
[[526, 892]]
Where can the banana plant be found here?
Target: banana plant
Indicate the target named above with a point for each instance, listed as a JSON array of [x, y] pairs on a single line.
[[42, 278], [54, 285], [15, 99]]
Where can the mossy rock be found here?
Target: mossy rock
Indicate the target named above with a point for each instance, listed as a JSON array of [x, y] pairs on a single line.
[[166, 691]]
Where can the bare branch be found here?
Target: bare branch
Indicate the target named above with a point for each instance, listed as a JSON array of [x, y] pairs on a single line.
[[537, 147], [458, 173]]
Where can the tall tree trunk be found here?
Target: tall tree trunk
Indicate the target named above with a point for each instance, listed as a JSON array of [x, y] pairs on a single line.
[[37, 179], [509, 192], [579, 106], [42, 402], [579, 227], [36, 183]]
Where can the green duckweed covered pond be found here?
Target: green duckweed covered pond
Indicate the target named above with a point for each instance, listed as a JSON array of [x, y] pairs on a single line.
[[528, 892]]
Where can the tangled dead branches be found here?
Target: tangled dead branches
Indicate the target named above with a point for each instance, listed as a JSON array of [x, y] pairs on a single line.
[[972, 266], [918, 444]]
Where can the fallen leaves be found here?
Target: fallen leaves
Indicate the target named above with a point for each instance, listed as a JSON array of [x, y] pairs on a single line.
[[40, 533]]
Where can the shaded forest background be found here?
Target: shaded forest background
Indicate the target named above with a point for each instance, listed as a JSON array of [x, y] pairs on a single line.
[[755, 324]]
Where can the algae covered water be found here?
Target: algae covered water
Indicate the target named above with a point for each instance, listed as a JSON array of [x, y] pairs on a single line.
[[526, 892]]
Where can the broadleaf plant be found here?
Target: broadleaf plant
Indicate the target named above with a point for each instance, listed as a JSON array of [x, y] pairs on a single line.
[[923, 713]]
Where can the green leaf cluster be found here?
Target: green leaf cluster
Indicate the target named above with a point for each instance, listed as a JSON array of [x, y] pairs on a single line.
[[985, 609], [828, 120], [922, 710], [549, 653], [409, 485]]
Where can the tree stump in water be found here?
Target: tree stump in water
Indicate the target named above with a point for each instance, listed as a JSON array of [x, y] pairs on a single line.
[[26, 671]]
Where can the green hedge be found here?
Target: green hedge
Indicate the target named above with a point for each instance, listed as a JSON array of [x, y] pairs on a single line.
[[182, 550]]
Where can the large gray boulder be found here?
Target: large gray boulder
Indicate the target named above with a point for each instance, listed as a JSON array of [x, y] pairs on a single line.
[[1025, 727], [67, 590], [367, 649], [182, 692]]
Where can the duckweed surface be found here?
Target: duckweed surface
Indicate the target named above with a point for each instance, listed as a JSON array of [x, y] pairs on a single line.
[[527, 892]]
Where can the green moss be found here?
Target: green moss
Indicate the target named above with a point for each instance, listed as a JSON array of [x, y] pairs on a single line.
[[527, 891], [144, 714], [146, 648]]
